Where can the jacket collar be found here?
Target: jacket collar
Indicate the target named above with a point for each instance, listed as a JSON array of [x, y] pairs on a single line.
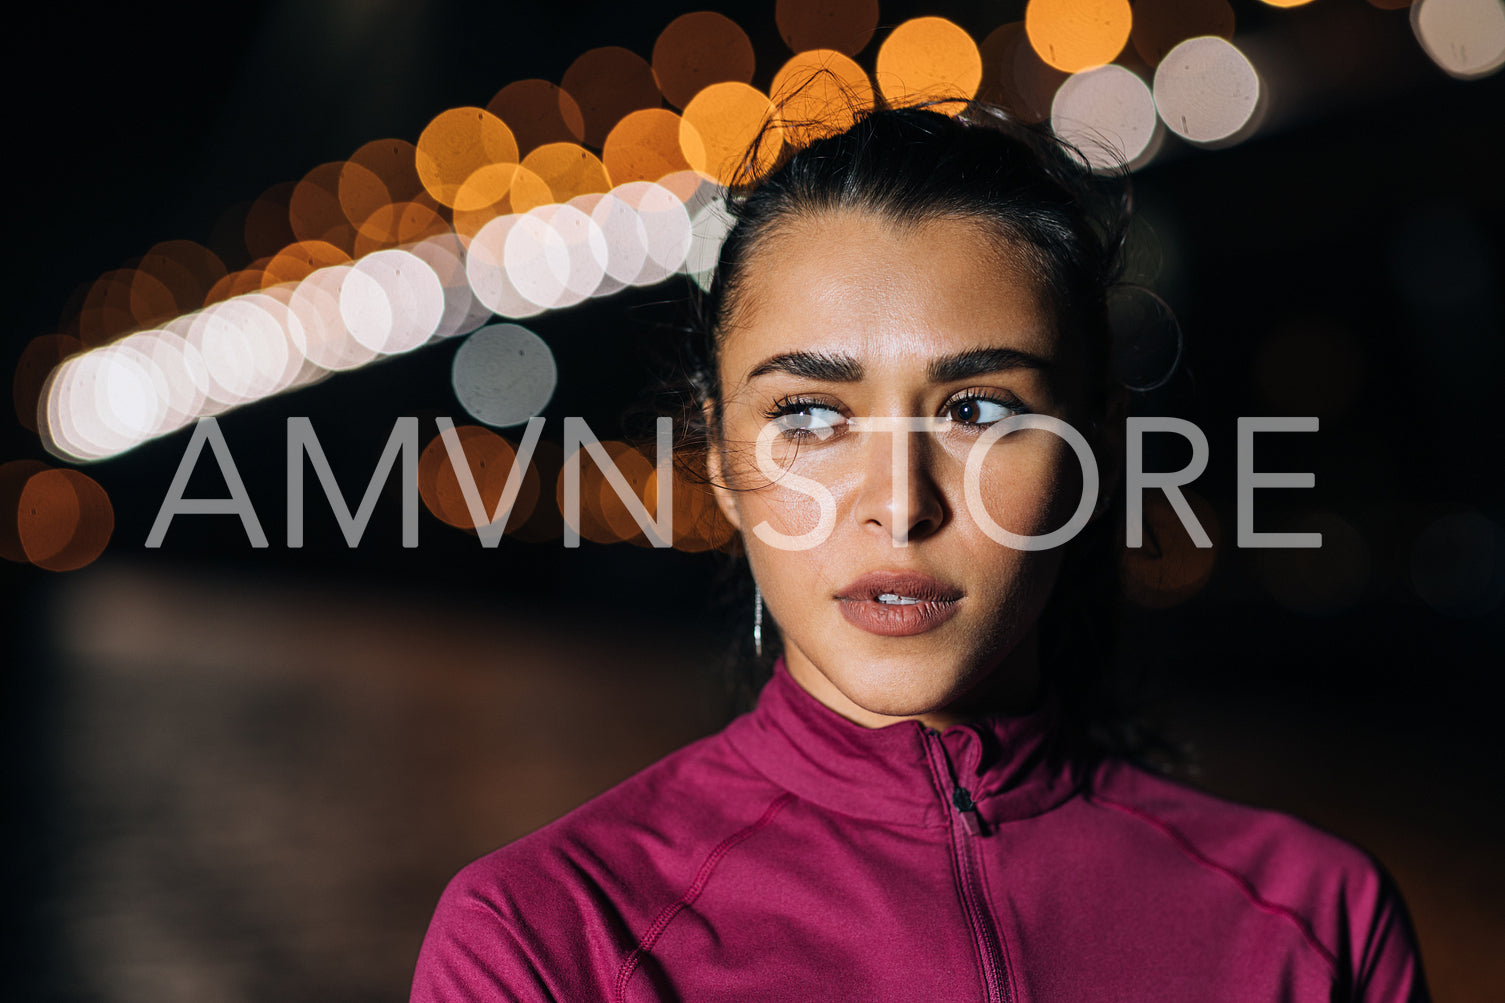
[[889, 774]]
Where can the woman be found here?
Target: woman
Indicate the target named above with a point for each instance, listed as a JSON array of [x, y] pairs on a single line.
[[930, 799]]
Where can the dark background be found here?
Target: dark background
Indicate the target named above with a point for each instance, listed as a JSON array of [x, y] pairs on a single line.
[[245, 774]]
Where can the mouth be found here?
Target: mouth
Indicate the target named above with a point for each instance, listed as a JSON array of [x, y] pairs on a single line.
[[898, 604]]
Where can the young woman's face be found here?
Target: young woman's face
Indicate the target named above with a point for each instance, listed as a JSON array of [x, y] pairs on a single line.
[[904, 604]]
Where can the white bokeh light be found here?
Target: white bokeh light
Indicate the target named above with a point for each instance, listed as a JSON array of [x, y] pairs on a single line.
[[1206, 90]]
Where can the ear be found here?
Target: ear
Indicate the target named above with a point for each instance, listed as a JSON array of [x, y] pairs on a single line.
[[726, 499], [1109, 446]]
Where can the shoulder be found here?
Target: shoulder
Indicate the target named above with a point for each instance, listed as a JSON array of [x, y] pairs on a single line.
[[1336, 895], [561, 908]]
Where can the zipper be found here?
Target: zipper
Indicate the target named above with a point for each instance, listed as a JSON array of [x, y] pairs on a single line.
[[966, 825]]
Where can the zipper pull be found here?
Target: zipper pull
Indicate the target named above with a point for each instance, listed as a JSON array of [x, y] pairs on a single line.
[[962, 798]]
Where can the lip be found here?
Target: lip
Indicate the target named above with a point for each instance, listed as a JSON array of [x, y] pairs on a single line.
[[858, 602]]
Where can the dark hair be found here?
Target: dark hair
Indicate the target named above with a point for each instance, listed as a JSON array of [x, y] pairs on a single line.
[[1037, 194]]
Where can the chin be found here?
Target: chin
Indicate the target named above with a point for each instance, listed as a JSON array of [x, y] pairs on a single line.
[[904, 691]]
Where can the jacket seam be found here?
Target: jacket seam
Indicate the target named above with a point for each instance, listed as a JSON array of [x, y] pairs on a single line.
[[634, 958], [1303, 926]]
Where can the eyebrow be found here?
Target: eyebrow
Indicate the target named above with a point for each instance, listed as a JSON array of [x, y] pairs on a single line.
[[827, 368]]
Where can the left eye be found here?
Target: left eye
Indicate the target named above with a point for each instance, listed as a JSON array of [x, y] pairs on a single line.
[[978, 411]]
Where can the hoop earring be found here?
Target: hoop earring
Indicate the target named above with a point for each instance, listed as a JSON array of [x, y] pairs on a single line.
[[758, 620]]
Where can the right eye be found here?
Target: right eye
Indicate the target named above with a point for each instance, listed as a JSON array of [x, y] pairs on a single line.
[[799, 419]]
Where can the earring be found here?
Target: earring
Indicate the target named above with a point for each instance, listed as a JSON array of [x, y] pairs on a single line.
[[758, 620]]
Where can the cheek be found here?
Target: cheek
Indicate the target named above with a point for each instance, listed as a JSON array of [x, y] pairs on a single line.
[[1028, 487]]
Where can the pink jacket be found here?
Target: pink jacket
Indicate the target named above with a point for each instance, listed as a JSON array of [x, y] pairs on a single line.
[[798, 856]]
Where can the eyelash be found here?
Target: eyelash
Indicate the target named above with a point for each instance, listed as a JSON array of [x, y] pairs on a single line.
[[803, 405]]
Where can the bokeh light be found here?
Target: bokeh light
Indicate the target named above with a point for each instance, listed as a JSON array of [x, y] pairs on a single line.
[[455, 146], [391, 301], [390, 163], [1074, 35], [819, 93], [1170, 568], [301, 259], [1458, 564], [569, 169], [843, 25], [708, 230], [185, 269], [609, 84], [666, 225], [928, 59], [1108, 113], [636, 469], [1161, 25], [1318, 581], [538, 112], [646, 146], [503, 375], [315, 211], [699, 49], [268, 226], [1465, 38], [106, 312], [1206, 89], [397, 224], [490, 459], [13, 477], [64, 519], [720, 125], [698, 522], [1015, 76], [40, 356], [463, 313], [1147, 340], [497, 190]]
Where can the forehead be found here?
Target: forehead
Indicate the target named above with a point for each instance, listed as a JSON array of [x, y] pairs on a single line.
[[857, 284]]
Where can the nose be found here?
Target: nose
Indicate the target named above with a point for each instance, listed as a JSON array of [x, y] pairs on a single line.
[[897, 494]]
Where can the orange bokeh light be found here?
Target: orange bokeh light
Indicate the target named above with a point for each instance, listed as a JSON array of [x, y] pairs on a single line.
[[185, 269], [928, 59], [1015, 76], [645, 146], [397, 224], [819, 93], [247, 280], [300, 260], [64, 519], [1074, 35], [315, 211], [636, 469], [455, 146], [569, 169], [40, 357], [514, 189], [490, 458], [392, 163], [843, 25], [13, 478], [593, 524], [1170, 568], [698, 522], [1161, 25], [610, 83], [699, 49], [720, 125], [538, 112], [106, 312], [268, 226]]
